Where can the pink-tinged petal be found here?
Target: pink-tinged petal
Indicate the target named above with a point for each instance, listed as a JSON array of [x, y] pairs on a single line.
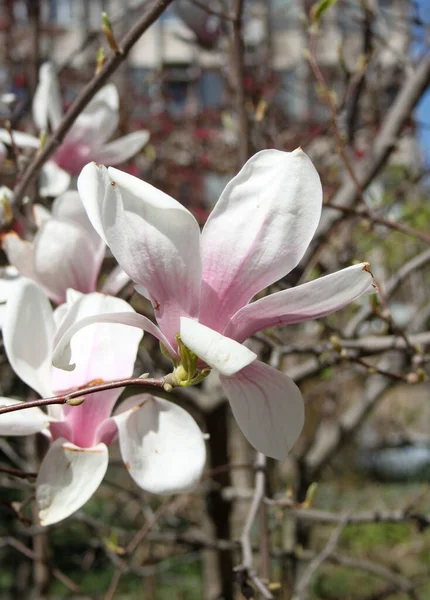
[[67, 479], [154, 239], [85, 420], [59, 428], [69, 207], [311, 300], [28, 331], [64, 258], [116, 281], [121, 149], [21, 139], [103, 350], [20, 253], [22, 422], [219, 352], [258, 231], [47, 103], [107, 432], [267, 406], [62, 356], [53, 180], [161, 445], [99, 119]]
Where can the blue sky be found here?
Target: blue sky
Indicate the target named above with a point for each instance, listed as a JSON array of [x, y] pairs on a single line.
[[423, 109]]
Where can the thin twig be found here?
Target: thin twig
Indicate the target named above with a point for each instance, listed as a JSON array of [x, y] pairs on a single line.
[[65, 398], [315, 515], [381, 148], [328, 97], [211, 11], [17, 473], [133, 544], [395, 225], [306, 577], [238, 53], [246, 570], [391, 286]]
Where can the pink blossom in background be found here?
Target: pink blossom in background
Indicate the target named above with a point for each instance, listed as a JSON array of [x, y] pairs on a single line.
[[160, 443], [66, 251], [201, 284], [86, 140]]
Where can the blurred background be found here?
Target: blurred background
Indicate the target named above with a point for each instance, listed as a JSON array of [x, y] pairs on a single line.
[[336, 78]]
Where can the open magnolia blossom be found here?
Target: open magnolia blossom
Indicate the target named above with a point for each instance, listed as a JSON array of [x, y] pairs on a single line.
[[161, 445], [86, 140], [66, 252], [201, 284], [9, 276]]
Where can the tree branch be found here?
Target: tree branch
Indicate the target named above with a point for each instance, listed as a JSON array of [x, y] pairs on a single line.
[[383, 145], [238, 54], [92, 389]]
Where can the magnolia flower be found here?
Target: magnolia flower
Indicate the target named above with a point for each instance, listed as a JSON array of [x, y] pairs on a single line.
[[201, 284], [161, 445], [66, 252], [8, 278], [2, 152], [86, 140]]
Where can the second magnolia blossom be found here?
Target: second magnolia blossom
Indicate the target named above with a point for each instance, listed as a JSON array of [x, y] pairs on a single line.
[[161, 445], [66, 251], [201, 284], [86, 140]]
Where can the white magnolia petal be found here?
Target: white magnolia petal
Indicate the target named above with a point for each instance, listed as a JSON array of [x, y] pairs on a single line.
[[64, 258], [69, 207], [21, 139], [221, 353], [154, 239], [62, 356], [53, 180], [104, 350], [116, 280], [258, 231], [99, 119], [22, 422], [9, 276], [67, 479], [20, 253], [41, 214], [311, 300], [28, 331], [3, 152], [267, 406], [122, 148], [161, 446], [47, 103]]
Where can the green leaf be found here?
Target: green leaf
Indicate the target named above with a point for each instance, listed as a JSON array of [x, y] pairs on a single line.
[[318, 9]]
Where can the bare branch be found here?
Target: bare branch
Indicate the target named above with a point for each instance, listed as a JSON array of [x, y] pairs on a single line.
[[395, 225], [383, 145], [300, 590], [92, 389], [246, 569], [238, 53]]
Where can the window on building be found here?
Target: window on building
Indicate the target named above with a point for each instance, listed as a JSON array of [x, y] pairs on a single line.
[[177, 82], [292, 95], [211, 87]]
